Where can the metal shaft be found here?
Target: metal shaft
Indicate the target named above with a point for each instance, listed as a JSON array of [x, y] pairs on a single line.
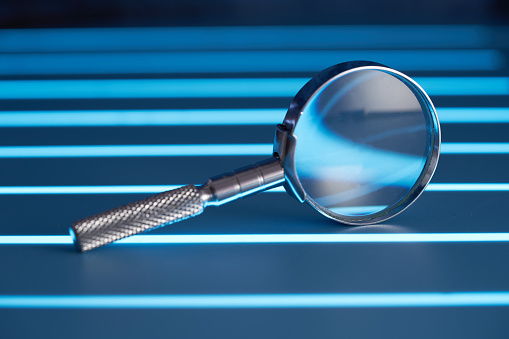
[[244, 181], [173, 206]]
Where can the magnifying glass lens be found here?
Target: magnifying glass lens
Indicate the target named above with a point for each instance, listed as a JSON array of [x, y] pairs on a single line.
[[363, 141]]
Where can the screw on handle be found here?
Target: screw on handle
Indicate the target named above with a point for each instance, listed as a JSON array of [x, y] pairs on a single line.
[[159, 210]]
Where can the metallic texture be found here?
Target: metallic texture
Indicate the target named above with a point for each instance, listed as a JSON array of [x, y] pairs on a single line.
[[159, 210], [173, 206], [233, 185], [284, 145]]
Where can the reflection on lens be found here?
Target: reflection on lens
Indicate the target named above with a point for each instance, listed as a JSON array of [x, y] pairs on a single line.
[[362, 142]]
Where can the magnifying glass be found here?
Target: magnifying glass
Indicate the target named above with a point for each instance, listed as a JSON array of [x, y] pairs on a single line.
[[360, 142]]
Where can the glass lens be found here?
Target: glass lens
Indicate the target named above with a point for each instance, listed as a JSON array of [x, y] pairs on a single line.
[[363, 141]]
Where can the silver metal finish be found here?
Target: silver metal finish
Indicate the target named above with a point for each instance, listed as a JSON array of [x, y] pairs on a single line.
[[284, 145], [243, 181], [159, 210], [286, 142], [173, 206]]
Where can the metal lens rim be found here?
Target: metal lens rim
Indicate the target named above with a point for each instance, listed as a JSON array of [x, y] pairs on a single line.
[[313, 87]]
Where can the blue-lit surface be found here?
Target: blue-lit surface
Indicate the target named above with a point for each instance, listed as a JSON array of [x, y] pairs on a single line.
[[227, 38], [219, 88], [208, 117], [465, 85], [191, 117], [468, 299], [475, 148], [135, 151], [237, 61], [267, 238], [260, 266], [150, 88], [136, 189], [473, 114], [79, 151]]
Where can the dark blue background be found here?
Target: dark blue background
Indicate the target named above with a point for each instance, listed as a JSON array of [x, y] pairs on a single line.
[[112, 13]]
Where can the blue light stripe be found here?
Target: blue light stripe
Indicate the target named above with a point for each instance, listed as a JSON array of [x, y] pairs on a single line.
[[475, 148], [112, 189], [81, 151], [211, 301], [218, 88], [35, 240], [473, 114], [184, 117], [267, 238], [150, 88], [139, 189], [465, 85], [243, 38], [135, 151], [477, 187], [245, 61], [207, 117]]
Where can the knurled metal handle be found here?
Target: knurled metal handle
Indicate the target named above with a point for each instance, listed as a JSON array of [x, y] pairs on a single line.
[[159, 210]]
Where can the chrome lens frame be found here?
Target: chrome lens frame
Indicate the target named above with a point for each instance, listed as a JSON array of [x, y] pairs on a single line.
[[286, 142]]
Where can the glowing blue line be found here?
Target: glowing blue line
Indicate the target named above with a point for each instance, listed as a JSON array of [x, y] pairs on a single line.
[[150, 88], [267, 238], [185, 117], [80, 151], [242, 38], [318, 300], [196, 117], [139, 189], [465, 85], [242, 61], [475, 148], [478, 187], [135, 151], [218, 88], [317, 238], [35, 240], [473, 115]]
